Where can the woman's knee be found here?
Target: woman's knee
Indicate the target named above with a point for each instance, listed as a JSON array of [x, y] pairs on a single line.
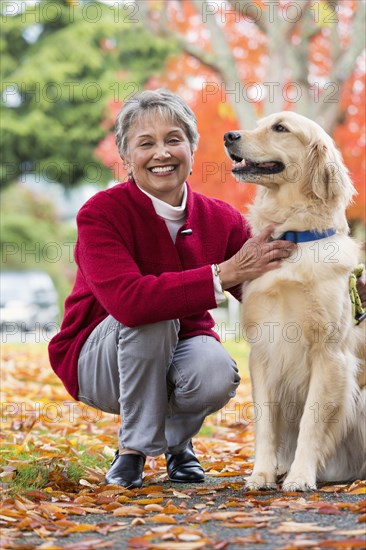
[[210, 386], [221, 384]]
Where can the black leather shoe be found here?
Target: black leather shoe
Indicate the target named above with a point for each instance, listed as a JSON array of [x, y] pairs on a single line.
[[184, 467], [126, 470]]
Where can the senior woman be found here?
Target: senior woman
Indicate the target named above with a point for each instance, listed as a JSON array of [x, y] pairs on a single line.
[[153, 257]]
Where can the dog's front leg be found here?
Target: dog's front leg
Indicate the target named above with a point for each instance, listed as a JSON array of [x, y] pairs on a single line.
[[328, 408], [266, 441]]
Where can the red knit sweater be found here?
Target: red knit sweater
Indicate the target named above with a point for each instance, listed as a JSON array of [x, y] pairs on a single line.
[[129, 267]]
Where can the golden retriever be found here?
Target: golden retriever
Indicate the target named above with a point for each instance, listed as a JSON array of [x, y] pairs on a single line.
[[307, 376]]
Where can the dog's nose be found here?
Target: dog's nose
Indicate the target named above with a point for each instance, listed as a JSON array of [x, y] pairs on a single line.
[[230, 137]]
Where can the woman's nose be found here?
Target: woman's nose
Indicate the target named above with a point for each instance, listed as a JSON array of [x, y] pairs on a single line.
[[162, 151]]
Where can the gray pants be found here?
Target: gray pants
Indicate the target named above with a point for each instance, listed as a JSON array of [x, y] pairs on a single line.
[[162, 387]]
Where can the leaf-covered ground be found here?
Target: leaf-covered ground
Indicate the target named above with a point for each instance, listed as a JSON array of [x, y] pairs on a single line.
[[55, 453]]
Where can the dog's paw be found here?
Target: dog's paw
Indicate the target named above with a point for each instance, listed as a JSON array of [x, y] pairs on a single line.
[[298, 483], [259, 481]]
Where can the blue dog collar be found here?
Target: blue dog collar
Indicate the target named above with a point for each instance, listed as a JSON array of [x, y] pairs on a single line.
[[305, 236]]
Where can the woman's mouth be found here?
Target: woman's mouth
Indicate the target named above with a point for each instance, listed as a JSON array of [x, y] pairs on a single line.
[[162, 169]]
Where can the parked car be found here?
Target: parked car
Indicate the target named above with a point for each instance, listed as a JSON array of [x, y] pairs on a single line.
[[28, 299]]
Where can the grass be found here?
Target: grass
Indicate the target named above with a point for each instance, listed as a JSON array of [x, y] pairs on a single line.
[[29, 478], [35, 471]]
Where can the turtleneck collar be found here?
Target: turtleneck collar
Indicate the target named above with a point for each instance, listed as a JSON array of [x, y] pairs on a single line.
[[167, 211]]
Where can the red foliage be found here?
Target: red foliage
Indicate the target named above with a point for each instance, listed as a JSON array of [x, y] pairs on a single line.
[[206, 94]]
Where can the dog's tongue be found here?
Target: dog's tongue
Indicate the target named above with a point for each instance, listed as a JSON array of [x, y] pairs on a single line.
[[238, 165]]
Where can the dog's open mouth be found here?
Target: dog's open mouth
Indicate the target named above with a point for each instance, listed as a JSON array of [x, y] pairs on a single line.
[[246, 166]]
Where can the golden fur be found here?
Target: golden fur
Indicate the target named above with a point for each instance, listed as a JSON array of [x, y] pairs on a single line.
[[307, 377]]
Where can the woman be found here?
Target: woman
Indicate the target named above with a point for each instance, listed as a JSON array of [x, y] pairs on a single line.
[[153, 256]]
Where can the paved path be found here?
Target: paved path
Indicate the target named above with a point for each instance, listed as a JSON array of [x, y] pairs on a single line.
[[218, 514]]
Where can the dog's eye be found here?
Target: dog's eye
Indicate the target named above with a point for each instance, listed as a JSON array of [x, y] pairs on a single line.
[[279, 128]]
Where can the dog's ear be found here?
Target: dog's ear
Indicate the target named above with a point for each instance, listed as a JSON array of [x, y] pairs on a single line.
[[327, 175]]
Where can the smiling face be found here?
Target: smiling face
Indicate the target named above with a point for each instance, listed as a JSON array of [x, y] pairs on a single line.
[[159, 157]]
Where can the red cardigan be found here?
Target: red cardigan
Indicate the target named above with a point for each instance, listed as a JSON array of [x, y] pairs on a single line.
[[129, 267]]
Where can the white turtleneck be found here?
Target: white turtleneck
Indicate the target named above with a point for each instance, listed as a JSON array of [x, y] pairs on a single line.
[[174, 217]]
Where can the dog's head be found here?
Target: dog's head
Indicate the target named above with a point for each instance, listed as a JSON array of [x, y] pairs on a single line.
[[289, 149]]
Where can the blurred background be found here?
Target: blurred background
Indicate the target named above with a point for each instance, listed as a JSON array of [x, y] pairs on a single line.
[[68, 66]]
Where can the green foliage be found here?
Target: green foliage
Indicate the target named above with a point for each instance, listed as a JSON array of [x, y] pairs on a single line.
[[62, 64], [32, 237]]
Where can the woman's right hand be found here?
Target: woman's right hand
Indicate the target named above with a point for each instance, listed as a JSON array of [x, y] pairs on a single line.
[[257, 256]]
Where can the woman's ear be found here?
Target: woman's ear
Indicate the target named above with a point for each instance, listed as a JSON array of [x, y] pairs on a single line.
[[192, 161], [127, 165]]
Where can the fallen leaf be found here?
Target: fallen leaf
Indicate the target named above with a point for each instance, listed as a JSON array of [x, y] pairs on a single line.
[[138, 521], [154, 508], [351, 532], [162, 518], [345, 543], [294, 527], [328, 509], [129, 511], [85, 483], [148, 501], [187, 537]]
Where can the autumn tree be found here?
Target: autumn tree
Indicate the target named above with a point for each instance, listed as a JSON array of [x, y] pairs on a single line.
[[291, 36], [242, 59], [62, 63]]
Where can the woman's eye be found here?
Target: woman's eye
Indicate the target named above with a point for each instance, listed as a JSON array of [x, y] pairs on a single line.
[[174, 140], [145, 144], [279, 128]]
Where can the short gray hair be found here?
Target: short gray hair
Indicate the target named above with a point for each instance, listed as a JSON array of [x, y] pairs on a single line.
[[162, 102]]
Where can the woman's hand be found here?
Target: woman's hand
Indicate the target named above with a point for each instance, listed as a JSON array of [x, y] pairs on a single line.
[[256, 256]]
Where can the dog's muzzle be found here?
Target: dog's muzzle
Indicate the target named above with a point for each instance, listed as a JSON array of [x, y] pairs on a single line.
[[230, 137]]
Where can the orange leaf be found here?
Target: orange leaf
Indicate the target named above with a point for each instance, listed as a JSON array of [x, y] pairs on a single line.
[[148, 501], [345, 543], [162, 518], [154, 508], [358, 488], [151, 489], [83, 499], [328, 509], [171, 509], [125, 511], [64, 523]]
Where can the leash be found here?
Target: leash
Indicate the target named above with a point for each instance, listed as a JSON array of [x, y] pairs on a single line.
[[358, 311]]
